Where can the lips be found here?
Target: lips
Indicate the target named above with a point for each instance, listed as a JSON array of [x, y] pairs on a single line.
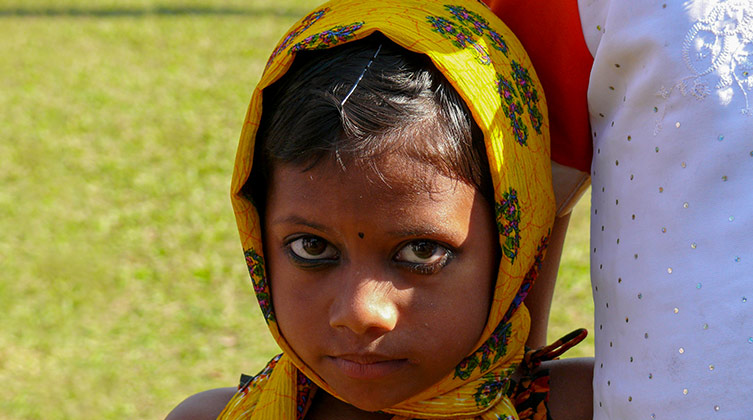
[[367, 366]]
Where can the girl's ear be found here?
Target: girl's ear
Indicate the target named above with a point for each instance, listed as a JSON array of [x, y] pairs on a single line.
[[569, 185]]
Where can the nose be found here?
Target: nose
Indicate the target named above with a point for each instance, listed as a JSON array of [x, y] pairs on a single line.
[[364, 307]]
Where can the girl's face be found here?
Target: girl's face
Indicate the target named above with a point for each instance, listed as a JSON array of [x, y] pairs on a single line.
[[381, 285]]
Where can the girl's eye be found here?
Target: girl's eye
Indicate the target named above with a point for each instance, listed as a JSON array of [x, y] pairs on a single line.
[[312, 248], [425, 257]]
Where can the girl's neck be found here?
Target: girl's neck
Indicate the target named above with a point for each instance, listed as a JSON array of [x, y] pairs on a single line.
[[327, 407]]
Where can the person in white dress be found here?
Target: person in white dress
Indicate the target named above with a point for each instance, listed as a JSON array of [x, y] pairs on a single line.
[[672, 207], [670, 101]]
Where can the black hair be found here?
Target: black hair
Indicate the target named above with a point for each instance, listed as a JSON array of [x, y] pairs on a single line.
[[401, 105]]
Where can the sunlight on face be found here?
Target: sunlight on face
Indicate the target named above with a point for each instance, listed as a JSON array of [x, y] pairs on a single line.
[[381, 285]]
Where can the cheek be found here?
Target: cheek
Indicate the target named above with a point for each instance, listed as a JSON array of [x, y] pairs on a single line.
[[477, 288], [299, 324], [293, 304], [452, 334], [473, 302], [471, 315], [458, 314]]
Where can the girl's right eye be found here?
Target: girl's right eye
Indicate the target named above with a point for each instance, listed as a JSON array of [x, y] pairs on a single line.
[[312, 249]]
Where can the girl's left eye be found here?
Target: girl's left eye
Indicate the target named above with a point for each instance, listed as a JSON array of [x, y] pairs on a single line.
[[423, 256]]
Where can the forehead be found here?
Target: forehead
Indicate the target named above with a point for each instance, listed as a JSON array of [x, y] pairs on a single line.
[[399, 192], [391, 177]]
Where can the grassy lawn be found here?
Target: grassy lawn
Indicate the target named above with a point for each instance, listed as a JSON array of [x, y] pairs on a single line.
[[122, 282]]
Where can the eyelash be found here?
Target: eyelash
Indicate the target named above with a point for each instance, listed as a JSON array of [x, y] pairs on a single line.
[[416, 267]]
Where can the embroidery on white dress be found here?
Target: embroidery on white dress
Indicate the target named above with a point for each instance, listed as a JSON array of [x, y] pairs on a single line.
[[718, 50]]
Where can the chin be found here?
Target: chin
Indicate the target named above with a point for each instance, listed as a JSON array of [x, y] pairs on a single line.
[[369, 401]]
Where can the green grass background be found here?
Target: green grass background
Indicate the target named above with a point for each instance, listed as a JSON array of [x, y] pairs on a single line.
[[122, 282]]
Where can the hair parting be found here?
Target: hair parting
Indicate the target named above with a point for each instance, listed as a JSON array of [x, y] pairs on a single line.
[[360, 102]]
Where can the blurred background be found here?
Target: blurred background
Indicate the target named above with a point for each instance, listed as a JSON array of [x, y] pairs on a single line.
[[123, 287]]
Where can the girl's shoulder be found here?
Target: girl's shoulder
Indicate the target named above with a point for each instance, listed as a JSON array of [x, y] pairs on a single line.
[[204, 405]]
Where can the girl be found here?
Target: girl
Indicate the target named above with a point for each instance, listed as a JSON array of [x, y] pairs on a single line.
[[401, 182]]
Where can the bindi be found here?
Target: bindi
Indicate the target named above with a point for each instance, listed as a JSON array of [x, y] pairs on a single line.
[[360, 235]]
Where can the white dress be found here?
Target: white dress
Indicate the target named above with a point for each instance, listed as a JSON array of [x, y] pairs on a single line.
[[671, 104]]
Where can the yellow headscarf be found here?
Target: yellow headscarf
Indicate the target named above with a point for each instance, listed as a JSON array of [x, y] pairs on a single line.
[[490, 70]]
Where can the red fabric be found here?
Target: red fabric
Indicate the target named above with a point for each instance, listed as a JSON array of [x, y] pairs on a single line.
[[551, 33]]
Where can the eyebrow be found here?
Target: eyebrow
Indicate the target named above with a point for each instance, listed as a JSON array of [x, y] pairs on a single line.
[[409, 231], [298, 220], [415, 231], [447, 235]]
